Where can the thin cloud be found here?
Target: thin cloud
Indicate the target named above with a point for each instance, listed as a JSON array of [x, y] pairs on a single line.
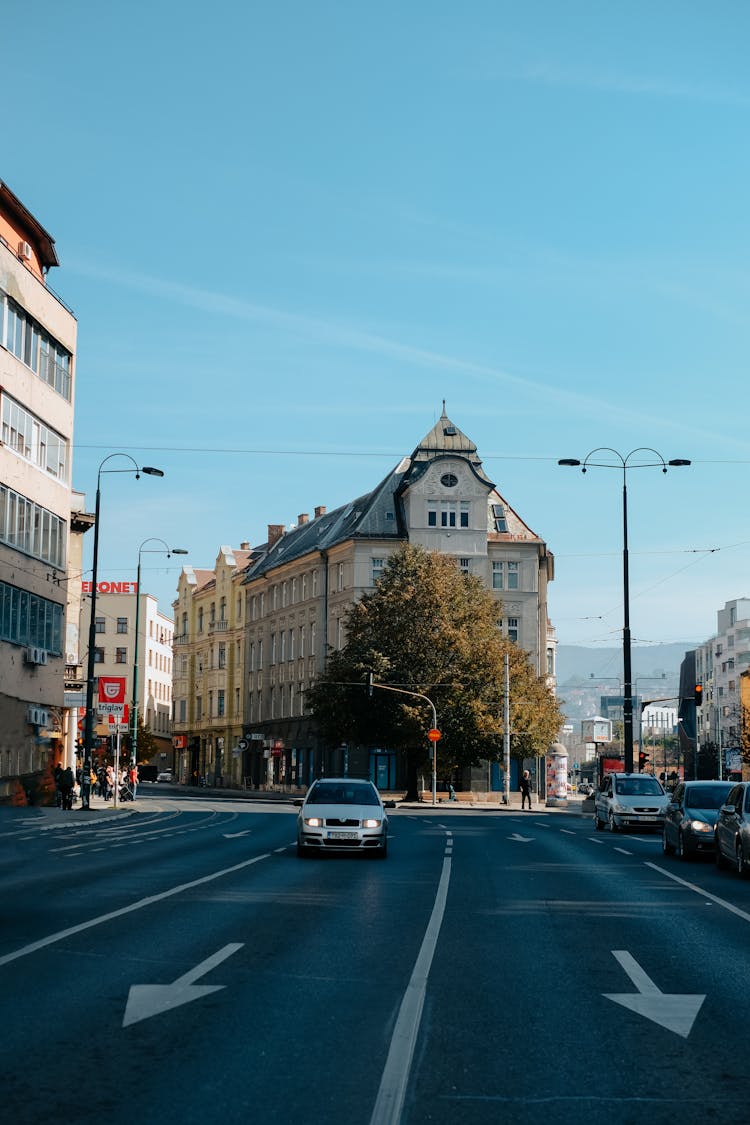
[[632, 85]]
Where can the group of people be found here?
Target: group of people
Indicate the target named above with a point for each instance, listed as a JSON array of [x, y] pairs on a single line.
[[103, 782]]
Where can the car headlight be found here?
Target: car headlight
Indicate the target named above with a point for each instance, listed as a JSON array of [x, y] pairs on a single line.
[[371, 823], [313, 821], [617, 807], [699, 826]]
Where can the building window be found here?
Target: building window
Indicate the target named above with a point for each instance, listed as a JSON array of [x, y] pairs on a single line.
[[304, 587], [497, 576], [32, 529], [512, 575], [31, 439], [220, 706], [98, 656], [291, 644], [498, 514], [273, 648], [121, 656], [512, 629], [222, 656], [302, 640], [199, 707], [464, 565], [28, 341], [122, 624], [378, 565], [100, 625], [432, 517], [340, 576], [200, 620]]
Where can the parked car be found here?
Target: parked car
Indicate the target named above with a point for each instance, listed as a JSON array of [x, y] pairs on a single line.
[[630, 800], [165, 775], [732, 833], [691, 815], [342, 814]]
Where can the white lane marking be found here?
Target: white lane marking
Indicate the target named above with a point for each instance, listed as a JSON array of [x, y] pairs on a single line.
[[622, 851], [390, 1100], [146, 1000], [567, 831], [234, 835], [143, 902], [521, 839], [674, 1011], [700, 891]]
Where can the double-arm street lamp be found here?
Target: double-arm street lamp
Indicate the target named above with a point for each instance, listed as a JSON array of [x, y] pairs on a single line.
[[88, 728], [169, 551], [624, 464]]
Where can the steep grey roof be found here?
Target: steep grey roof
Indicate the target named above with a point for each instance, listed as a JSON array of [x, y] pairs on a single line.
[[372, 516]]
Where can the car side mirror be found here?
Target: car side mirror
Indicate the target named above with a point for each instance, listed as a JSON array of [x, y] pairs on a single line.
[[726, 809], [298, 801], [390, 804]]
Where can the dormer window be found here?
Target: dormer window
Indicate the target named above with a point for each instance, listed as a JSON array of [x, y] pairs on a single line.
[[498, 512]]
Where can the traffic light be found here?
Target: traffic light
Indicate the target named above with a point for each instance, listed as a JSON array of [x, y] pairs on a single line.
[[698, 694], [642, 759], [369, 684]]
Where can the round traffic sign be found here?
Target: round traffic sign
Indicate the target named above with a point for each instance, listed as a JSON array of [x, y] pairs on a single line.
[[434, 735]]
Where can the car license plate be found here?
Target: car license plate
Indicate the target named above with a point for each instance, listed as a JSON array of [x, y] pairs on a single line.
[[342, 835]]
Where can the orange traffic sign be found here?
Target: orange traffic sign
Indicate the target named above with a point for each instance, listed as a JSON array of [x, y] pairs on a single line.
[[434, 735]]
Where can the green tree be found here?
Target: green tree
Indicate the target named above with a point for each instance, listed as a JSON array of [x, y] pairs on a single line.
[[428, 628], [146, 743]]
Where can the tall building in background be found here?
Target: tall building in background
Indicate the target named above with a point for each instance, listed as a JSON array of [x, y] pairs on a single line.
[[37, 373]]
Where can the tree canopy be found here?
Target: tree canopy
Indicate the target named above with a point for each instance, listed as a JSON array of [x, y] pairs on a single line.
[[430, 629]]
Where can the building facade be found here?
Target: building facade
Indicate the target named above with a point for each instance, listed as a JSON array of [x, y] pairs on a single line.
[[300, 588], [208, 672], [116, 652], [37, 384], [719, 664]]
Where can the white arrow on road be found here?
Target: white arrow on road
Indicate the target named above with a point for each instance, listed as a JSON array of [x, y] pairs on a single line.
[[146, 1000], [521, 839], [674, 1011]]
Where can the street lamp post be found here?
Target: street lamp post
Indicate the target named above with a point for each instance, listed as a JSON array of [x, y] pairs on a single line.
[[88, 726], [623, 463], [169, 551]]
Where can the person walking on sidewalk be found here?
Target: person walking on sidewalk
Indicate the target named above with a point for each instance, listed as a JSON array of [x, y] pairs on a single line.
[[526, 789]]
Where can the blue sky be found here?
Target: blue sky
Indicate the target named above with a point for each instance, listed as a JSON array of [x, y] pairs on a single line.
[[290, 230]]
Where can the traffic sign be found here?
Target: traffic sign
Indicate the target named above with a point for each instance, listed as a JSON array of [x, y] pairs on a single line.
[[434, 735]]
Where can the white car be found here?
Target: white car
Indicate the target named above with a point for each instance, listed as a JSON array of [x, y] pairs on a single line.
[[630, 800], [165, 775], [342, 814]]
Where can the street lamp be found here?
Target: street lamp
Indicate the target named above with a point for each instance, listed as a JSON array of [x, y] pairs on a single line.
[[88, 728], [169, 551], [622, 463]]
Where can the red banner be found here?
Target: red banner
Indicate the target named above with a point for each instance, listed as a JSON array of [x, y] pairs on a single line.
[[111, 689]]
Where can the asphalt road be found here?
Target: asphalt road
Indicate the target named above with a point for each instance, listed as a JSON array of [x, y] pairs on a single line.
[[178, 962]]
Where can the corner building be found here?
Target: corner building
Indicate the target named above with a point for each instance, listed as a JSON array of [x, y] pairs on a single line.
[[302, 581]]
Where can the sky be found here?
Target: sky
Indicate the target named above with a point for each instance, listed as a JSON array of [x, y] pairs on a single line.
[[290, 230]]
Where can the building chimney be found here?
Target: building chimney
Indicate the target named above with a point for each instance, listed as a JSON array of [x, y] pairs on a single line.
[[244, 546], [320, 510], [275, 531], [303, 518]]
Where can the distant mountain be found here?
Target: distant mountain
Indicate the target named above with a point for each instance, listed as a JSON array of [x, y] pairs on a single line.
[[576, 662], [584, 675]]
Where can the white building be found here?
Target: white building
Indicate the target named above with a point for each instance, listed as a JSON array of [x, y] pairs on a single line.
[[719, 664], [37, 379]]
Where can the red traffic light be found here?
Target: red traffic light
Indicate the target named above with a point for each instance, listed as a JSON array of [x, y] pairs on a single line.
[[698, 694]]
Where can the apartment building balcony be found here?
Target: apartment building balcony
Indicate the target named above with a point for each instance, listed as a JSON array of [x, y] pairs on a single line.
[[181, 639], [218, 626]]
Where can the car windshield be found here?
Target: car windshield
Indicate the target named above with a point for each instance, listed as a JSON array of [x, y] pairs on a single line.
[[638, 787], [707, 796], [340, 793]]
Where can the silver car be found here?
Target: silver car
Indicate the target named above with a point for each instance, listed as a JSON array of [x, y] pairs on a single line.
[[342, 814], [691, 817], [732, 836], [630, 800]]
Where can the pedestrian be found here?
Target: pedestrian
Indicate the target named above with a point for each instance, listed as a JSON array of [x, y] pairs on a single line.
[[109, 783], [58, 772], [451, 792], [67, 783], [133, 777], [526, 789]]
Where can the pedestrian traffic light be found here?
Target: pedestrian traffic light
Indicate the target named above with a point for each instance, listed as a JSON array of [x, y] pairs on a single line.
[[642, 759], [698, 694]]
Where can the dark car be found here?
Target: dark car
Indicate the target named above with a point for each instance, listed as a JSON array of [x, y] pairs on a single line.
[[732, 833], [690, 817]]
